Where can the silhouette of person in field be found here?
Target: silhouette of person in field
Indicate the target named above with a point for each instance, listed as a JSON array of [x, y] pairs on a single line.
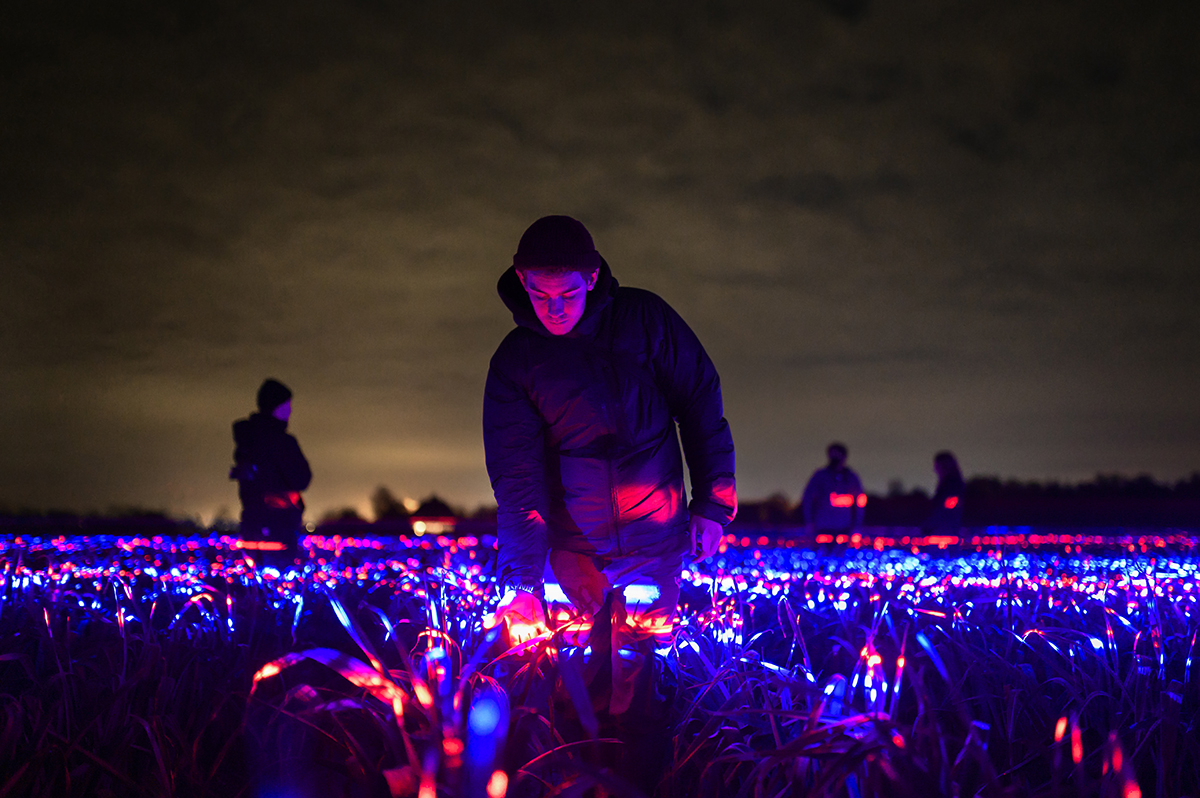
[[946, 513], [580, 420], [271, 472], [833, 500]]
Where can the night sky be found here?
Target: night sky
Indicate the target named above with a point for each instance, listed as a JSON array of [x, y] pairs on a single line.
[[906, 224]]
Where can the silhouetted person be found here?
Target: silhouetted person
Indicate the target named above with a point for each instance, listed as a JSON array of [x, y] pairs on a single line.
[[947, 510], [833, 499], [271, 471], [579, 420]]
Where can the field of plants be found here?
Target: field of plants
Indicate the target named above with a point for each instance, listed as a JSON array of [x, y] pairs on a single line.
[[1002, 662]]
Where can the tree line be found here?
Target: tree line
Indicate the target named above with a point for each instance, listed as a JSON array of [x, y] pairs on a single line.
[[1106, 500]]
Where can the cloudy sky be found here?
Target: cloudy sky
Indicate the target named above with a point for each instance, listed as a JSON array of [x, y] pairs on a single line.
[[906, 224]]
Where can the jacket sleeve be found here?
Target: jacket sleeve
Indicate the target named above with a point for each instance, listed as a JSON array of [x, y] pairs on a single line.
[[293, 465], [514, 447], [809, 502], [687, 376]]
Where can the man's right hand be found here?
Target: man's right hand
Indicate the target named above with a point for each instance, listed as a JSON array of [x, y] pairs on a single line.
[[522, 613]]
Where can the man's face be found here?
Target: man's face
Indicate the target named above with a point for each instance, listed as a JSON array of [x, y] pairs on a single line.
[[558, 298]]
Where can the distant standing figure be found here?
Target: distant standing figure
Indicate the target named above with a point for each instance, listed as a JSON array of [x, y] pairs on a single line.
[[271, 471], [833, 498], [948, 499]]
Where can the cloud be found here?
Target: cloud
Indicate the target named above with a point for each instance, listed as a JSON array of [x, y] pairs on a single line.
[[883, 225]]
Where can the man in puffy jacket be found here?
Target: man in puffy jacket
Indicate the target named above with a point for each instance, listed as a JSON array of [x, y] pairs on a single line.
[[580, 420], [833, 498], [271, 471]]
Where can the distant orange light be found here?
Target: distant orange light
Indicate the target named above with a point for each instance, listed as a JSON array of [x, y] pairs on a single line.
[[951, 502], [861, 501], [1060, 729], [1076, 745]]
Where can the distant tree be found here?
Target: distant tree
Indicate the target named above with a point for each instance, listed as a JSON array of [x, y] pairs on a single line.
[[1189, 488], [434, 507], [385, 505], [484, 512], [775, 509], [1103, 486], [900, 507], [344, 515], [133, 511], [224, 522]]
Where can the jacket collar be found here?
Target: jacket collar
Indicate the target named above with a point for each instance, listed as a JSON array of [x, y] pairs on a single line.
[[268, 420]]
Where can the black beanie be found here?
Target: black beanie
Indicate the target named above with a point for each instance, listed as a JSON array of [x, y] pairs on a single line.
[[271, 394], [557, 242]]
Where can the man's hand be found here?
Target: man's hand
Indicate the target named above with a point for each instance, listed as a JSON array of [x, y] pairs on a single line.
[[705, 536], [522, 612]]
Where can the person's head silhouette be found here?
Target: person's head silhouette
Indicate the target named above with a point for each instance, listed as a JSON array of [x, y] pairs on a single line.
[[945, 465], [837, 453], [275, 399]]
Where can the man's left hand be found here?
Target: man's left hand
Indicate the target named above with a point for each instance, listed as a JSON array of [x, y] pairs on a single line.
[[705, 535], [522, 612]]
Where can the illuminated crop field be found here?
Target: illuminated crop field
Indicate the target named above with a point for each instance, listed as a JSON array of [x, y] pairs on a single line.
[[1003, 662]]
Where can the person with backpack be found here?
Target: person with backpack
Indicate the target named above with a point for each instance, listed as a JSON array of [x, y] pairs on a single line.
[[271, 473]]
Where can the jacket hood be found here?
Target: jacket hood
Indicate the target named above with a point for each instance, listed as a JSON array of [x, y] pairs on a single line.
[[515, 299]]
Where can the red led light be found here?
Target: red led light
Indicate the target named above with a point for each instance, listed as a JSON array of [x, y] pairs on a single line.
[[841, 499]]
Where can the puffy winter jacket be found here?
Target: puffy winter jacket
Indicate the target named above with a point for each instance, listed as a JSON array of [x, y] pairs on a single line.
[[947, 510], [580, 431], [271, 471], [834, 499]]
